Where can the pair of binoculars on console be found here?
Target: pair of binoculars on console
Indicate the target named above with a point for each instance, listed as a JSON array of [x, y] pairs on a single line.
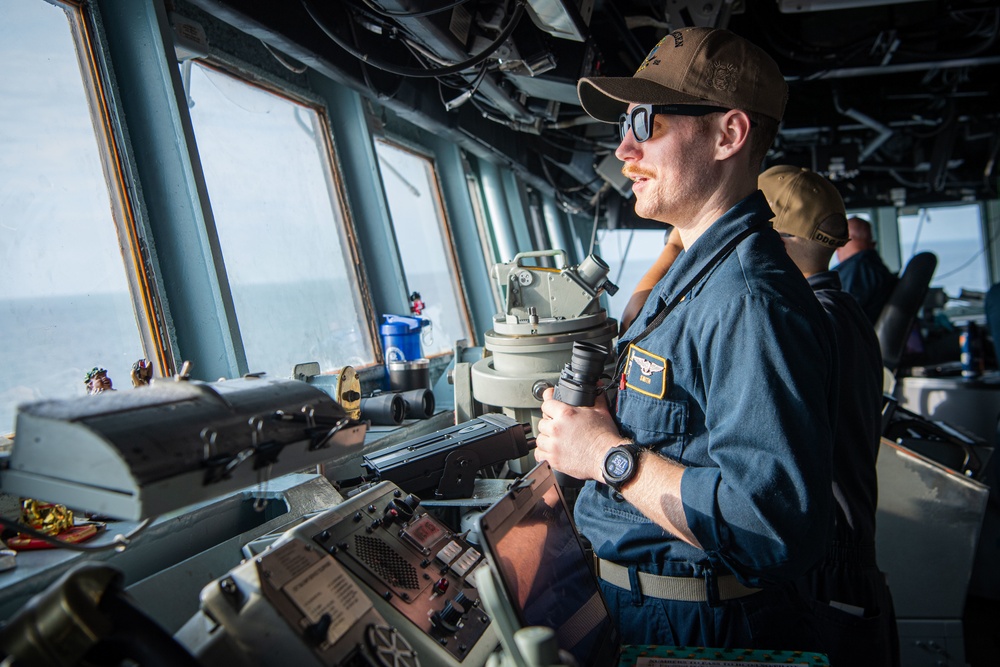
[[392, 407]]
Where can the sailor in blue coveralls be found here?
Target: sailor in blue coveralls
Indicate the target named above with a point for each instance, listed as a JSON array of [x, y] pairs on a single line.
[[863, 274], [709, 489], [850, 606]]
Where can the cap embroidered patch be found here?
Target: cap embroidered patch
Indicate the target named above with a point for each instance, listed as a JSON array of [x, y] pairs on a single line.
[[649, 58], [723, 77], [646, 372]]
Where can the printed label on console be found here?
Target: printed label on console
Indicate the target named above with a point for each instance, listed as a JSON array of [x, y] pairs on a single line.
[[326, 588]]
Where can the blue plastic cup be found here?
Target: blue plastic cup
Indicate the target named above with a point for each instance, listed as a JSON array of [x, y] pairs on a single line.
[[401, 337]]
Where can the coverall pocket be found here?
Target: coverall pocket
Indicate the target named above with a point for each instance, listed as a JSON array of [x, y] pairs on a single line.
[[775, 620], [660, 424], [852, 639]]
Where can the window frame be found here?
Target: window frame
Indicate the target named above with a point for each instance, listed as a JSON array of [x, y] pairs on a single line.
[[444, 222], [101, 91], [231, 65], [484, 229]]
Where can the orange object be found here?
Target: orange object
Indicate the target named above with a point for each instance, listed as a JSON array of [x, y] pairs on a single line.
[[74, 535]]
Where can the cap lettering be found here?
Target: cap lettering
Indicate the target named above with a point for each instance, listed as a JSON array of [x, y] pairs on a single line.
[[824, 239]]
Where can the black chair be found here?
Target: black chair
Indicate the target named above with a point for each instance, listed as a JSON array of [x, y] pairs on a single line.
[[991, 305], [894, 323]]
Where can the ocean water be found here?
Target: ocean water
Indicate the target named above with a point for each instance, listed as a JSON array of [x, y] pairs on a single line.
[[48, 344]]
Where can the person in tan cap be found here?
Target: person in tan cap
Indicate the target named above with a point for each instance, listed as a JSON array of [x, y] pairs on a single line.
[[809, 215], [709, 474]]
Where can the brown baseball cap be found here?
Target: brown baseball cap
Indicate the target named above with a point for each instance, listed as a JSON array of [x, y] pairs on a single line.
[[692, 66], [802, 200]]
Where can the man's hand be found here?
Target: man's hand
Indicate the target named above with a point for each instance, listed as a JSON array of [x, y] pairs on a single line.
[[574, 440]]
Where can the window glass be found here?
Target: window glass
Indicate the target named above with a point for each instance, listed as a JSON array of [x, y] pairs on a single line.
[[280, 226], [629, 253], [955, 235], [424, 245], [65, 304], [487, 237]]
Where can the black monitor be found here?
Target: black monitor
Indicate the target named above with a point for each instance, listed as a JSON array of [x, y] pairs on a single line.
[[541, 569]]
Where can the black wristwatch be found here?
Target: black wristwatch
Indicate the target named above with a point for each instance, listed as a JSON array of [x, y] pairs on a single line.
[[621, 464]]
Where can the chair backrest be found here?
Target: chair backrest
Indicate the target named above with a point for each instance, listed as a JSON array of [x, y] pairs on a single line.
[[991, 305], [894, 323]]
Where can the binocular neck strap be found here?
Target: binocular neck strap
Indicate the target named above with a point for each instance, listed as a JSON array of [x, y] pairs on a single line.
[[681, 294]]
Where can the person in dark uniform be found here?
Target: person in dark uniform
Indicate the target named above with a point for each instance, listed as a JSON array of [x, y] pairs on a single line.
[[709, 489], [863, 274], [851, 605]]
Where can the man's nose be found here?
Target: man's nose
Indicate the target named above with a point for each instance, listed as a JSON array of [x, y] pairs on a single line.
[[628, 147]]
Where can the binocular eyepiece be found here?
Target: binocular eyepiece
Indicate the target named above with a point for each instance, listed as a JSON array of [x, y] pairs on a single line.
[[391, 408], [577, 384]]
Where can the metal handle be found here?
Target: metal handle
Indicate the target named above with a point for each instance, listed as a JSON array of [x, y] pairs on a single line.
[[554, 252]]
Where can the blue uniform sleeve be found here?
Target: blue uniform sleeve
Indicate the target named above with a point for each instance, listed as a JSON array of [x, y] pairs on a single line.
[[765, 510]]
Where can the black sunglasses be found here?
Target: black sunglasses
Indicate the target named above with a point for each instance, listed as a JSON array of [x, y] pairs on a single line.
[[640, 119]]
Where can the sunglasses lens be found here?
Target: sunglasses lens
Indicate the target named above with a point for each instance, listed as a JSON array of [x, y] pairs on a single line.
[[639, 121], [641, 117]]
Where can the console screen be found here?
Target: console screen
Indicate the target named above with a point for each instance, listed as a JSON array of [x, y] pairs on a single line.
[[542, 565]]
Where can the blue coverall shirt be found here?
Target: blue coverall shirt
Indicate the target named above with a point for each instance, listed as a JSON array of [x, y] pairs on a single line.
[[864, 276], [849, 574], [859, 425], [748, 394]]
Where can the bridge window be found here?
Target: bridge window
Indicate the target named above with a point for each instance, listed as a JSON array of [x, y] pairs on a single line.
[[280, 224], [955, 235], [425, 246], [66, 296], [629, 253]]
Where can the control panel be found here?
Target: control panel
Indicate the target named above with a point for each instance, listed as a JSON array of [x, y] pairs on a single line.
[[410, 560], [375, 580]]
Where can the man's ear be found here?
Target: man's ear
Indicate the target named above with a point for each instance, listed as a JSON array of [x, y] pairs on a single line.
[[734, 134]]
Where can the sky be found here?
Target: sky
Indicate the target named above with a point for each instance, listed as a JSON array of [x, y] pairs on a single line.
[[55, 209], [266, 182], [54, 206]]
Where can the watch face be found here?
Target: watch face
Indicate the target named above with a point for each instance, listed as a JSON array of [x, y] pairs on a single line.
[[617, 464]]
